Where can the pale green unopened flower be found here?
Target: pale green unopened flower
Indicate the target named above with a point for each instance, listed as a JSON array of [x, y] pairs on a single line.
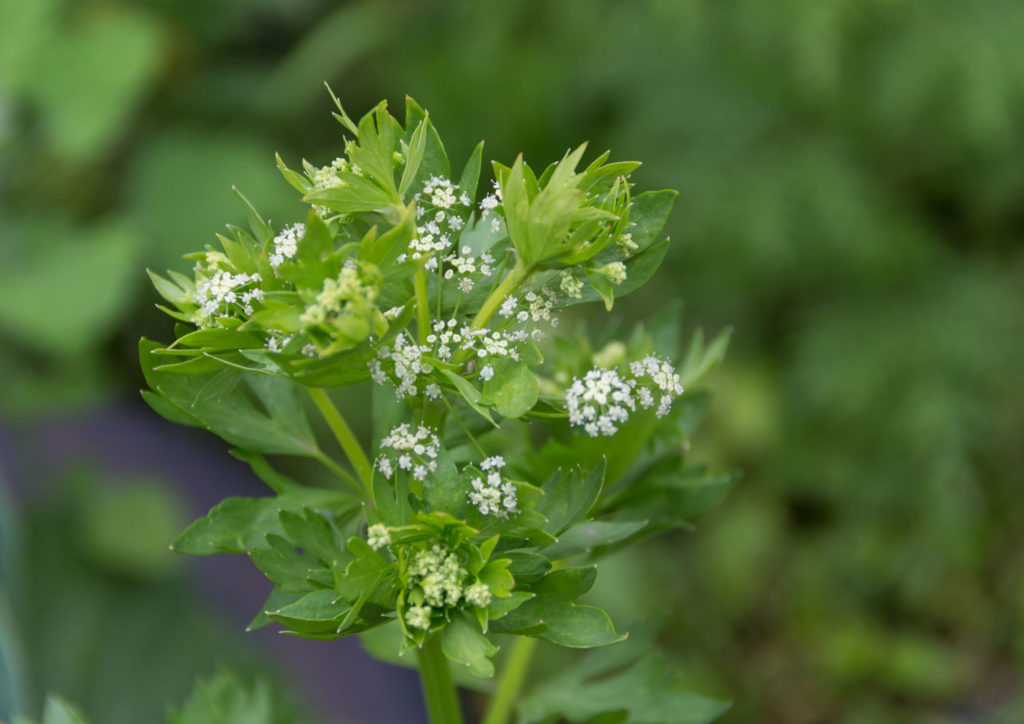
[[479, 595], [614, 271], [378, 536], [418, 617], [572, 286]]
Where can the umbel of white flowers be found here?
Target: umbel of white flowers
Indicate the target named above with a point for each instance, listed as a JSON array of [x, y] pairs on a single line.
[[603, 400]]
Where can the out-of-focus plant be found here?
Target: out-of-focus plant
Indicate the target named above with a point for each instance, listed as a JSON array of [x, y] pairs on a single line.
[[502, 466]]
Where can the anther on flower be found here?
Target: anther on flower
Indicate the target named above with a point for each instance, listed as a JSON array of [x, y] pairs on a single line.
[[600, 402], [413, 451], [286, 244], [492, 494], [418, 617], [478, 594], [652, 373], [378, 536]]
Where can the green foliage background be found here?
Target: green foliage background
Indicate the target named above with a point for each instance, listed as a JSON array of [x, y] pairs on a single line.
[[851, 193]]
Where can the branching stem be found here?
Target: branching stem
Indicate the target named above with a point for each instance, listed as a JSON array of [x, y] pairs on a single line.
[[344, 434]]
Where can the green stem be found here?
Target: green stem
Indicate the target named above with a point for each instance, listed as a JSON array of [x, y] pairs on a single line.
[[419, 283], [436, 678], [344, 434], [507, 286], [510, 681]]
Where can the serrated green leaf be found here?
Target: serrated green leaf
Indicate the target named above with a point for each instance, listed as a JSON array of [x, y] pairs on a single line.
[[569, 497], [466, 647], [513, 389], [586, 536], [239, 525]]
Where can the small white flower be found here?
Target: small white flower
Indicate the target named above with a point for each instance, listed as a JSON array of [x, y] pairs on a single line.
[[378, 536], [508, 307], [286, 244], [614, 271], [572, 286], [478, 594], [486, 373], [493, 494], [599, 402], [418, 617]]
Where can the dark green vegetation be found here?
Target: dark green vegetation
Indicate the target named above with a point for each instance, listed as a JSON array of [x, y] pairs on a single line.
[[850, 183]]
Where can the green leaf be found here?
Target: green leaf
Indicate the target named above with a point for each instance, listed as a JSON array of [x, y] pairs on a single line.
[[368, 570], [513, 389], [585, 537], [417, 145], [317, 612], [291, 571], [556, 620], [278, 482], [567, 583], [89, 78], [61, 264], [527, 566], [240, 525], [568, 498], [226, 699], [464, 645], [352, 194], [646, 691], [443, 489], [232, 415], [469, 393], [470, 178], [311, 532], [59, 711]]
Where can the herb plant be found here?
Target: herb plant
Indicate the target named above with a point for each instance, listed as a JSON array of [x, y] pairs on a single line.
[[507, 453]]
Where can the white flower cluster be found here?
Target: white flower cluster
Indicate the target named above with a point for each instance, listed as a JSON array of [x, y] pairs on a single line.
[[414, 451], [439, 575], [488, 204], [602, 400], [614, 271], [435, 235], [326, 177], [626, 244], [378, 536], [223, 295], [494, 495], [402, 362], [535, 307], [286, 244], [658, 373], [599, 402], [277, 341], [572, 286], [465, 266], [406, 358], [441, 193]]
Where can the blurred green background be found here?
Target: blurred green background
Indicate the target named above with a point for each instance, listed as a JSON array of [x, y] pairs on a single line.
[[852, 201]]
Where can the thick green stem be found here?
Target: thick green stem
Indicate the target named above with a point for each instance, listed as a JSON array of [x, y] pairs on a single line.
[[507, 286], [510, 681], [344, 434], [436, 678], [419, 283]]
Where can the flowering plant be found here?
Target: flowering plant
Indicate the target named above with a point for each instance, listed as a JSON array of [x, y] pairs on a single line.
[[506, 456]]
